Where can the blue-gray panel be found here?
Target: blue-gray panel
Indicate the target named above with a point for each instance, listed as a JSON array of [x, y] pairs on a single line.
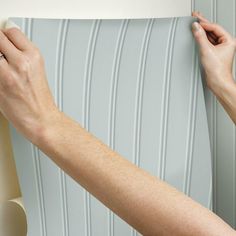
[[221, 128], [136, 85]]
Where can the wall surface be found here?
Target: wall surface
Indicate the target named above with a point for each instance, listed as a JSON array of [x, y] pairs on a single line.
[[222, 129], [134, 84]]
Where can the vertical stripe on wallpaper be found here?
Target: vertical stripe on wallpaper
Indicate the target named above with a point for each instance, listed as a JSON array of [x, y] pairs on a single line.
[[62, 35], [191, 124], [192, 5], [214, 125], [139, 95], [165, 97], [86, 105], [113, 101], [28, 28]]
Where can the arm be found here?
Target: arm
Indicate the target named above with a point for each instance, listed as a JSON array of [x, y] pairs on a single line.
[[217, 50], [25, 100]]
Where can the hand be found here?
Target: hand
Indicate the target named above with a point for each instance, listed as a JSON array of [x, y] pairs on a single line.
[[25, 97], [217, 49]]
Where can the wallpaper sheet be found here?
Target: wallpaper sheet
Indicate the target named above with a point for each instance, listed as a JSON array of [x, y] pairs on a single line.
[[221, 128], [136, 85]]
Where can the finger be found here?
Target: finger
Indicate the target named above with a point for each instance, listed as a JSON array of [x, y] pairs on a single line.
[[199, 16], [212, 35], [7, 48], [212, 40], [200, 36], [17, 38], [216, 29]]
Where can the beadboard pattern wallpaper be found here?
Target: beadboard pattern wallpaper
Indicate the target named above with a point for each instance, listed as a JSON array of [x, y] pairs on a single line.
[[136, 85], [221, 128]]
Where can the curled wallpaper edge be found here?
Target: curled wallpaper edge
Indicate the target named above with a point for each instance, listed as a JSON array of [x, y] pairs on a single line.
[[8, 178], [13, 218], [12, 212]]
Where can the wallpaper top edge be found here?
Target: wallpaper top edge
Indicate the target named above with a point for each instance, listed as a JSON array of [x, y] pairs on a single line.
[[86, 19]]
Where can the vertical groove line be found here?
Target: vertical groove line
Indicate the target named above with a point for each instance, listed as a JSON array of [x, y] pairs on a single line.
[[214, 126], [192, 5], [113, 100], [209, 204], [86, 105], [36, 161], [210, 196], [139, 95], [24, 25], [28, 26], [61, 43], [165, 97], [191, 124]]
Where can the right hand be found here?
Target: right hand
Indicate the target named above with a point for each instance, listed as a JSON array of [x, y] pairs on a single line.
[[25, 97], [217, 49]]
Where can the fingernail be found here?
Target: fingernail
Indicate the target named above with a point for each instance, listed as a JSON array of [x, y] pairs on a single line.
[[11, 24], [195, 26]]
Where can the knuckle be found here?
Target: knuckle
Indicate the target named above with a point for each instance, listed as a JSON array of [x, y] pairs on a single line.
[[35, 49], [215, 25], [2, 36], [23, 65], [198, 36], [232, 43], [35, 54], [11, 31], [9, 80]]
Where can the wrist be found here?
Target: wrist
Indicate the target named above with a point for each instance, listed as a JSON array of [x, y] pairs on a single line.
[[226, 89], [46, 127], [222, 85]]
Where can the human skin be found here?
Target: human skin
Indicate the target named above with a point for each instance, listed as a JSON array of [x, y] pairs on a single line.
[[159, 209], [217, 50]]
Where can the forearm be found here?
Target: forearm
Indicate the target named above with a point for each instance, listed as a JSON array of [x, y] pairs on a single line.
[[226, 94], [145, 202]]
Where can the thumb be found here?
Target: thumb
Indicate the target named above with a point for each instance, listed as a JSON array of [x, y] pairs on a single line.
[[200, 36]]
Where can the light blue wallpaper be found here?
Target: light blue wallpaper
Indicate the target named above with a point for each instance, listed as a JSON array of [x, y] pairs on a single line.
[[136, 85]]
